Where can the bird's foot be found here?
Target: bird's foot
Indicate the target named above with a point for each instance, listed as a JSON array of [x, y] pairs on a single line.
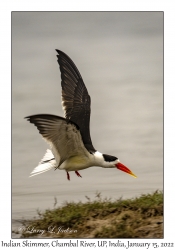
[[78, 174], [68, 176]]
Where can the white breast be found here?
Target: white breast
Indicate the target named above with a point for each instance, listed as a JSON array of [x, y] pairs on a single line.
[[77, 162]]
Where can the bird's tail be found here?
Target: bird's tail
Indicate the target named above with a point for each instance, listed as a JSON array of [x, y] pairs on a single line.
[[48, 162]]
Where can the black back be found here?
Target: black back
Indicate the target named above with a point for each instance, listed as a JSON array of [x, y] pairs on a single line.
[[75, 98]]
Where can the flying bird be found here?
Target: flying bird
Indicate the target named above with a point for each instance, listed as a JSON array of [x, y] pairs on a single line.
[[71, 148]]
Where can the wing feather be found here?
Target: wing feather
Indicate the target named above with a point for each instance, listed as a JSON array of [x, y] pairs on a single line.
[[75, 98], [63, 136]]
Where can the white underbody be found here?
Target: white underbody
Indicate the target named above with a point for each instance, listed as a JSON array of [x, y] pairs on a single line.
[[74, 163]]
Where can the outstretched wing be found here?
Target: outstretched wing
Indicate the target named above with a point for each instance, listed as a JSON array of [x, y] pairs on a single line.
[[62, 135], [75, 98]]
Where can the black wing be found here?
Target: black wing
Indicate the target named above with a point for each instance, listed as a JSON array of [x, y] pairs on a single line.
[[75, 98]]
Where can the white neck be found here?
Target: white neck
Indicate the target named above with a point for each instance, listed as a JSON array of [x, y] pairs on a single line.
[[99, 161]]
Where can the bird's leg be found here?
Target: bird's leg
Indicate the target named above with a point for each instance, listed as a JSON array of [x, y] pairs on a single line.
[[68, 176], [78, 174]]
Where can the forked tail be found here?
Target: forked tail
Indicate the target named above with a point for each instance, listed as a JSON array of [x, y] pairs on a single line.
[[48, 162]]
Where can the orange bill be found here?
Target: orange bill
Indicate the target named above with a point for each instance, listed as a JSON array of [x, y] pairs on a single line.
[[123, 168]]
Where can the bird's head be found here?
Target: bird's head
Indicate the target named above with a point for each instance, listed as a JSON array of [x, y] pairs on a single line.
[[114, 162]]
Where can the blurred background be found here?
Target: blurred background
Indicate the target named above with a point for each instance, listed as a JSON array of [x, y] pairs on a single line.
[[120, 57]]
